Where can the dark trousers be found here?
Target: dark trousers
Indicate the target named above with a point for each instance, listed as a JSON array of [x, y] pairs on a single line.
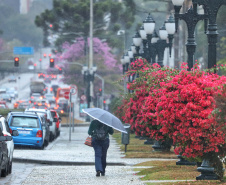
[[100, 148]]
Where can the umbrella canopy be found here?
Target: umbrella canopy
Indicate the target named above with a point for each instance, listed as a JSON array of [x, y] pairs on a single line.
[[106, 118]]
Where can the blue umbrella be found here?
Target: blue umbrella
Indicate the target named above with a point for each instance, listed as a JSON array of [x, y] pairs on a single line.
[[106, 118]]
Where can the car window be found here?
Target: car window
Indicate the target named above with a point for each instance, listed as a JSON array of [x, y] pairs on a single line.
[[1, 125], [24, 122], [1, 134], [7, 126], [53, 114]]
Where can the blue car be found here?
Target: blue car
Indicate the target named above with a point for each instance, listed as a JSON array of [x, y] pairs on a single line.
[[30, 128]]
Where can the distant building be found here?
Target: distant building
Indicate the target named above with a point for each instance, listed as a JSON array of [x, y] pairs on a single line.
[[24, 6]]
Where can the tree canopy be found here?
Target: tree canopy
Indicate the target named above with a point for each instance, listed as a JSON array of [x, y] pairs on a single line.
[[71, 18]]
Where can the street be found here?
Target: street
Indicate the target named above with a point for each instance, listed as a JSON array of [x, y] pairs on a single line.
[[70, 162], [19, 173]]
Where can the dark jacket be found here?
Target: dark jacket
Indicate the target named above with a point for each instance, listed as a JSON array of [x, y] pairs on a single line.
[[97, 124]]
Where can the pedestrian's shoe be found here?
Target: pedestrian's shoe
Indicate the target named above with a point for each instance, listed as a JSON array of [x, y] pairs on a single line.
[[98, 174], [102, 174]]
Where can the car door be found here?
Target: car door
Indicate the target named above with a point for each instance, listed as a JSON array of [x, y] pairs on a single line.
[[44, 129], [10, 144]]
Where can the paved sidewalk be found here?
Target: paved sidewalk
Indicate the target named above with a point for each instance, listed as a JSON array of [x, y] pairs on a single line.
[[72, 162]]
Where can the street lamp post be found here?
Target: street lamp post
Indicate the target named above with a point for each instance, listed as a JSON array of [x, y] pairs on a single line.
[[191, 18], [144, 41], [89, 74], [149, 26], [164, 34], [211, 7], [137, 42], [153, 48]]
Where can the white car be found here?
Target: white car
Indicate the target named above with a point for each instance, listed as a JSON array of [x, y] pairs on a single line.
[[52, 121], [10, 144]]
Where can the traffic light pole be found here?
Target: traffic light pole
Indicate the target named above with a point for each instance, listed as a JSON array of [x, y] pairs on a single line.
[[102, 98]]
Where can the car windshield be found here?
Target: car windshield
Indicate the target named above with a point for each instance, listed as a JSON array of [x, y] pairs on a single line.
[[49, 96], [21, 121]]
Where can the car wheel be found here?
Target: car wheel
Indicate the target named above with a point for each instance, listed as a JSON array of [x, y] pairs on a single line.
[[5, 171], [46, 143], [51, 137], [10, 167], [42, 147]]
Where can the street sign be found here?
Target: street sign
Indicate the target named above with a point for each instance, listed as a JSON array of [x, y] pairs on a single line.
[[23, 51], [66, 95], [83, 97], [74, 89]]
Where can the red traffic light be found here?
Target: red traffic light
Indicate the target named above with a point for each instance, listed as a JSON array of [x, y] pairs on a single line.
[[51, 64], [16, 61], [104, 101], [44, 54], [100, 90]]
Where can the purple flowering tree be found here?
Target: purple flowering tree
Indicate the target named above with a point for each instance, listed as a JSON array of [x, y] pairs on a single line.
[[103, 58]]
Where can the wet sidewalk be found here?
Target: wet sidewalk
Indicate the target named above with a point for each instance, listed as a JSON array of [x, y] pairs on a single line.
[[72, 162]]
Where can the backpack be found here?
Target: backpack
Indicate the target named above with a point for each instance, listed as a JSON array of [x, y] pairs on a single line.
[[101, 133]]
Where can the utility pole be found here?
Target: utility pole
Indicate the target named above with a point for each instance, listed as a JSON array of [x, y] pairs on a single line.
[[91, 50]]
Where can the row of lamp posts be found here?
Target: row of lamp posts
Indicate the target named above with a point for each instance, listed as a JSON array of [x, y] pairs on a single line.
[[154, 45]]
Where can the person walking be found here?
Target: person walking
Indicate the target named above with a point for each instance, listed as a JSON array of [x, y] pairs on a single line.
[[100, 142]]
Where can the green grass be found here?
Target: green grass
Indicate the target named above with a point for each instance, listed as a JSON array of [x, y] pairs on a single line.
[[160, 170], [137, 149]]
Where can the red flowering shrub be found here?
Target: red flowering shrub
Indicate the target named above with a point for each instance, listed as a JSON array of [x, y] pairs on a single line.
[[140, 113], [185, 112]]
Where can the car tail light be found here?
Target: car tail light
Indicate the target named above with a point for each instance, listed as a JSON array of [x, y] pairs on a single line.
[[51, 89], [39, 133], [10, 130], [5, 135], [32, 97], [39, 104]]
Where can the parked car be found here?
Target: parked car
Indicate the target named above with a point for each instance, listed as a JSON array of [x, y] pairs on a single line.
[[6, 97], [12, 79], [31, 130], [13, 90], [4, 103], [35, 97], [58, 123], [52, 121], [23, 105], [46, 124], [10, 145], [50, 97], [4, 154]]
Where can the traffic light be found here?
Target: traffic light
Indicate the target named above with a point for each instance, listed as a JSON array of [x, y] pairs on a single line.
[[51, 62], [100, 92], [104, 101], [44, 55], [60, 70], [16, 61]]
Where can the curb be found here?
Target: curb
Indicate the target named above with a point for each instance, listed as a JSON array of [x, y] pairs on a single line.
[[76, 124], [62, 163]]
